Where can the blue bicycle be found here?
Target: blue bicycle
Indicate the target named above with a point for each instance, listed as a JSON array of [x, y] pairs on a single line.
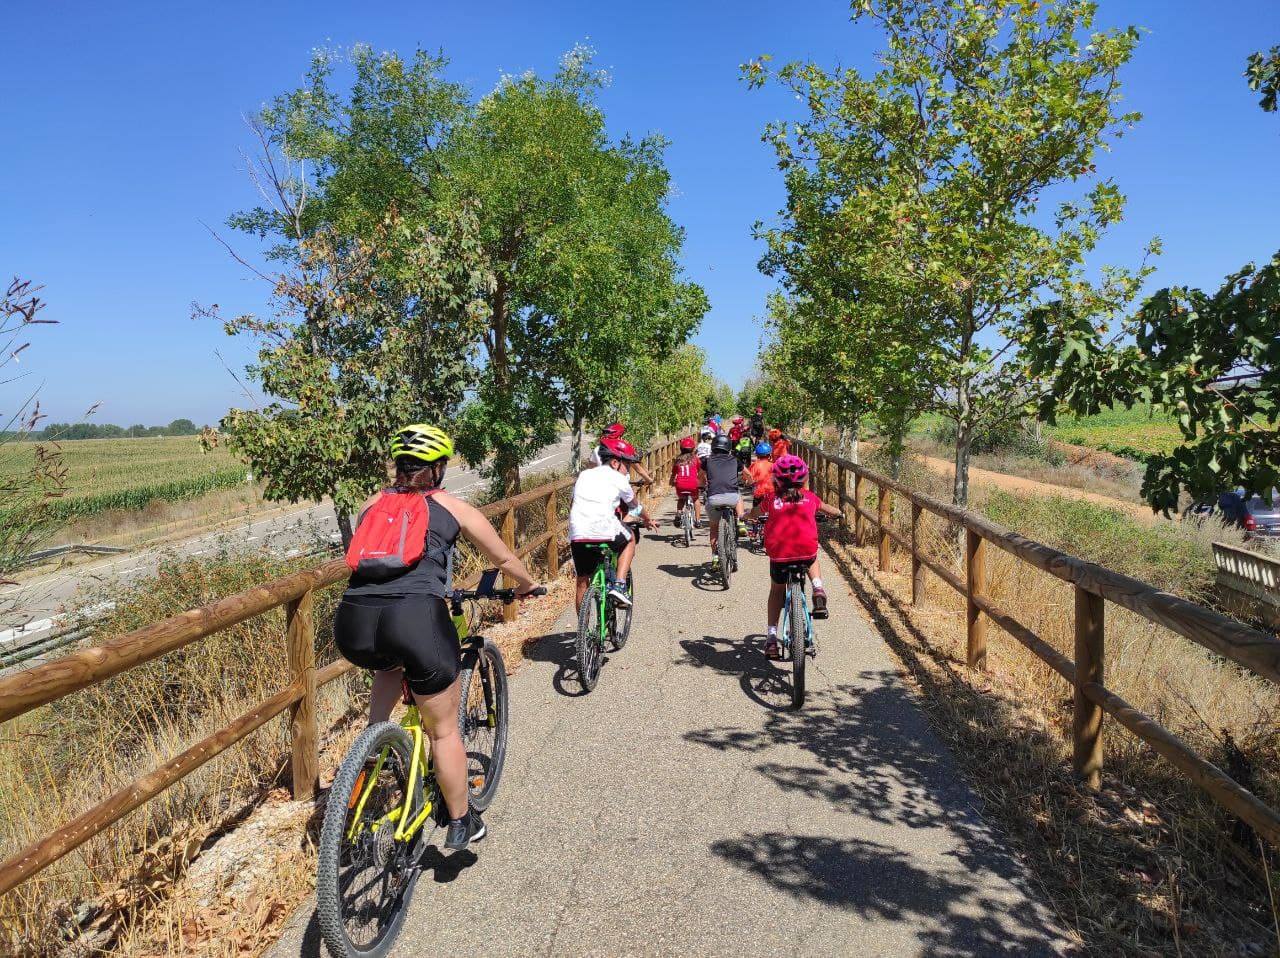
[[797, 637]]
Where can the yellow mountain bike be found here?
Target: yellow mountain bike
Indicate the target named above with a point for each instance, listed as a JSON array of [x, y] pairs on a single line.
[[385, 805]]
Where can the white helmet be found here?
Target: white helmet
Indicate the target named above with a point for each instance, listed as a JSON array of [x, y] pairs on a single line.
[[706, 432]]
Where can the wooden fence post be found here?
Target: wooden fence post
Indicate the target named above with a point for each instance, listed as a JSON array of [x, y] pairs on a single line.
[[975, 585], [859, 503], [1086, 722], [300, 643], [509, 537], [917, 567], [885, 510], [551, 513]]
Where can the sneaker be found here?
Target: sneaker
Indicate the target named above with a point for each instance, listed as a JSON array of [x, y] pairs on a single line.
[[819, 604], [715, 561], [618, 593], [463, 831], [771, 649]]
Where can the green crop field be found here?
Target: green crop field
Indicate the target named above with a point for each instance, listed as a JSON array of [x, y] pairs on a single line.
[[1134, 433], [107, 474]]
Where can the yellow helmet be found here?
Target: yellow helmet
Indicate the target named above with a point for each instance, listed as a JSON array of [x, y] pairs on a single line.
[[421, 441]]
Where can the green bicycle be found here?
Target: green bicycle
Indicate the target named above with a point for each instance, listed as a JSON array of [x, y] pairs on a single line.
[[385, 804], [601, 621]]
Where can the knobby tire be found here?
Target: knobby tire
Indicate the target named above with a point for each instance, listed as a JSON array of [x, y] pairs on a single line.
[[484, 694], [797, 630]]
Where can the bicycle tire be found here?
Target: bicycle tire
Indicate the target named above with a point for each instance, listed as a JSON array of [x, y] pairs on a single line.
[[722, 550], [330, 908], [798, 657], [490, 712], [620, 617], [590, 654], [686, 522]]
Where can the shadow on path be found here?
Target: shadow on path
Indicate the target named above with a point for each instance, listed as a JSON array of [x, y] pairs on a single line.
[[561, 650], [766, 683]]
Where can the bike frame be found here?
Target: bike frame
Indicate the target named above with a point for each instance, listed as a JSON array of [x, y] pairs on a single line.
[[600, 582], [420, 767]]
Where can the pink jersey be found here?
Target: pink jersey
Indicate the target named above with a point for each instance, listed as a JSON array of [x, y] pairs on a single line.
[[791, 528]]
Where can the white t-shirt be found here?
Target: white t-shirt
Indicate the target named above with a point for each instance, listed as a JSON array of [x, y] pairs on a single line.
[[596, 495], [703, 450]]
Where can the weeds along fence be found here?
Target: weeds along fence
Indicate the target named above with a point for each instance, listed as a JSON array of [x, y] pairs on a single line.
[[1093, 587], [533, 524]]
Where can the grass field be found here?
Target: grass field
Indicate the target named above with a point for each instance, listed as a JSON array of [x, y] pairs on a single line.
[[104, 474], [1133, 433]]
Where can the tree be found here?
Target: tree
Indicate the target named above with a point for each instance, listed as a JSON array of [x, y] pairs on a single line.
[[181, 427], [916, 194], [366, 335], [1210, 361], [663, 394], [583, 253]]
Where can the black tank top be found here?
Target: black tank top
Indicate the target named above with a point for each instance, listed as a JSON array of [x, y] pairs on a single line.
[[433, 574]]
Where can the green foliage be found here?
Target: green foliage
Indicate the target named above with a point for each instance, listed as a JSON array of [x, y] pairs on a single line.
[[1211, 362], [503, 250], [1263, 73], [664, 395], [914, 236], [1133, 433]]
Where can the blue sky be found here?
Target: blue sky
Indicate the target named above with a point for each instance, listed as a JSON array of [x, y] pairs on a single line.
[[124, 126]]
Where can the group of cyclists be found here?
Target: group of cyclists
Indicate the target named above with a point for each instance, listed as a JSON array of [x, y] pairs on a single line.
[[393, 619]]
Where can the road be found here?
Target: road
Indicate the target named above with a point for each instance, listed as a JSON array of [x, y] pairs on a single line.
[[682, 809], [38, 604]]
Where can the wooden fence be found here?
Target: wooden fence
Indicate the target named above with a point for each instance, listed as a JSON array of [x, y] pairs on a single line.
[[1094, 587], [22, 691]]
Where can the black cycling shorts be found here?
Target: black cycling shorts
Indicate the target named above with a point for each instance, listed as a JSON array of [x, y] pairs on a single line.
[[416, 633], [778, 570], [587, 555]]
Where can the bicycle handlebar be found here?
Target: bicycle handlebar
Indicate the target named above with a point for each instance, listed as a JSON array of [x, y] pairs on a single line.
[[486, 590]]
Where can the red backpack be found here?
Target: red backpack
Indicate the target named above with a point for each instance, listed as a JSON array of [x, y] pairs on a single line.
[[392, 535]]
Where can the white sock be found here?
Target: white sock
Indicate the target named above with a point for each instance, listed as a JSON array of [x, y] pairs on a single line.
[[773, 631], [817, 583]]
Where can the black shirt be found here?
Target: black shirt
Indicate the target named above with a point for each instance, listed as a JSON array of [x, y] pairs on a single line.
[[757, 426], [722, 474], [432, 574]]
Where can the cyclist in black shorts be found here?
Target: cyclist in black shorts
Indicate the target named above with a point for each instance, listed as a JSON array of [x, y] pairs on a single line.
[[401, 627]]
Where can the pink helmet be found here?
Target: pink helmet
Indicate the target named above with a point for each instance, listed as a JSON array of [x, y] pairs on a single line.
[[791, 470]]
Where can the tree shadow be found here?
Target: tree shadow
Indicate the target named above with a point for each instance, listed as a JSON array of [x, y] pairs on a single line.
[[699, 576], [764, 682], [880, 883], [561, 650]]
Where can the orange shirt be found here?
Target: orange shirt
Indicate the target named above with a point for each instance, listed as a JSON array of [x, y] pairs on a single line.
[[780, 449], [761, 473]]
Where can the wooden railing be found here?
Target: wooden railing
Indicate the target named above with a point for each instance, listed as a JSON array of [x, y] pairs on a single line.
[[1094, 586], [22, 691]]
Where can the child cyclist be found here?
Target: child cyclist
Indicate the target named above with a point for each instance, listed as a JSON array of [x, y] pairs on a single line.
[[790, 536], [686, 479], [593, 518], [760, 475]]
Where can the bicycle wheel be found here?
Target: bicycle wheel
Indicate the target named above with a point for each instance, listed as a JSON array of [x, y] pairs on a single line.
[[365, 878], [620, 616], [722, 549], [686, 521], [590, 652], [796, 631], [482, 720], [733, 544]]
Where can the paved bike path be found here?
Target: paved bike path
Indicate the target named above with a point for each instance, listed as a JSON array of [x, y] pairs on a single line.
[[681, 809]]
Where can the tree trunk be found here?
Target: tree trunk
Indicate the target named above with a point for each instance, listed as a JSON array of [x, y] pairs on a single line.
[[575, 454], [506, 467], [344, 526]]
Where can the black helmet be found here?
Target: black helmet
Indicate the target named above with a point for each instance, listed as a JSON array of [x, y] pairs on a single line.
[[721, 444]]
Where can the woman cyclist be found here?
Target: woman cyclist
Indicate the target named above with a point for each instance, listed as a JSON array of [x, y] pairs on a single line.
[[790, 536], [400, 627]]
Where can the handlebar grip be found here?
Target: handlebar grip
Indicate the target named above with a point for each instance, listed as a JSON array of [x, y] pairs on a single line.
[[540, 590]]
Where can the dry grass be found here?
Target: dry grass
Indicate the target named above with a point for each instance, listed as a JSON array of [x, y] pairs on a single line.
[[1151, 866]]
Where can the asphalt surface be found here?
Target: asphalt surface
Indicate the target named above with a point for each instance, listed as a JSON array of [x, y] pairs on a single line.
[[682, 809], [33, 608]]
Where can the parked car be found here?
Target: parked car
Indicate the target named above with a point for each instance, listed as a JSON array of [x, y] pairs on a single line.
[[1250, 511]]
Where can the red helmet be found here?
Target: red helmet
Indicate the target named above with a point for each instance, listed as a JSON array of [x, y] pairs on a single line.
[[612, 448], [738, 420], [790, 470], [775, 435], [613, 431], [759, 409], [687, 444]]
